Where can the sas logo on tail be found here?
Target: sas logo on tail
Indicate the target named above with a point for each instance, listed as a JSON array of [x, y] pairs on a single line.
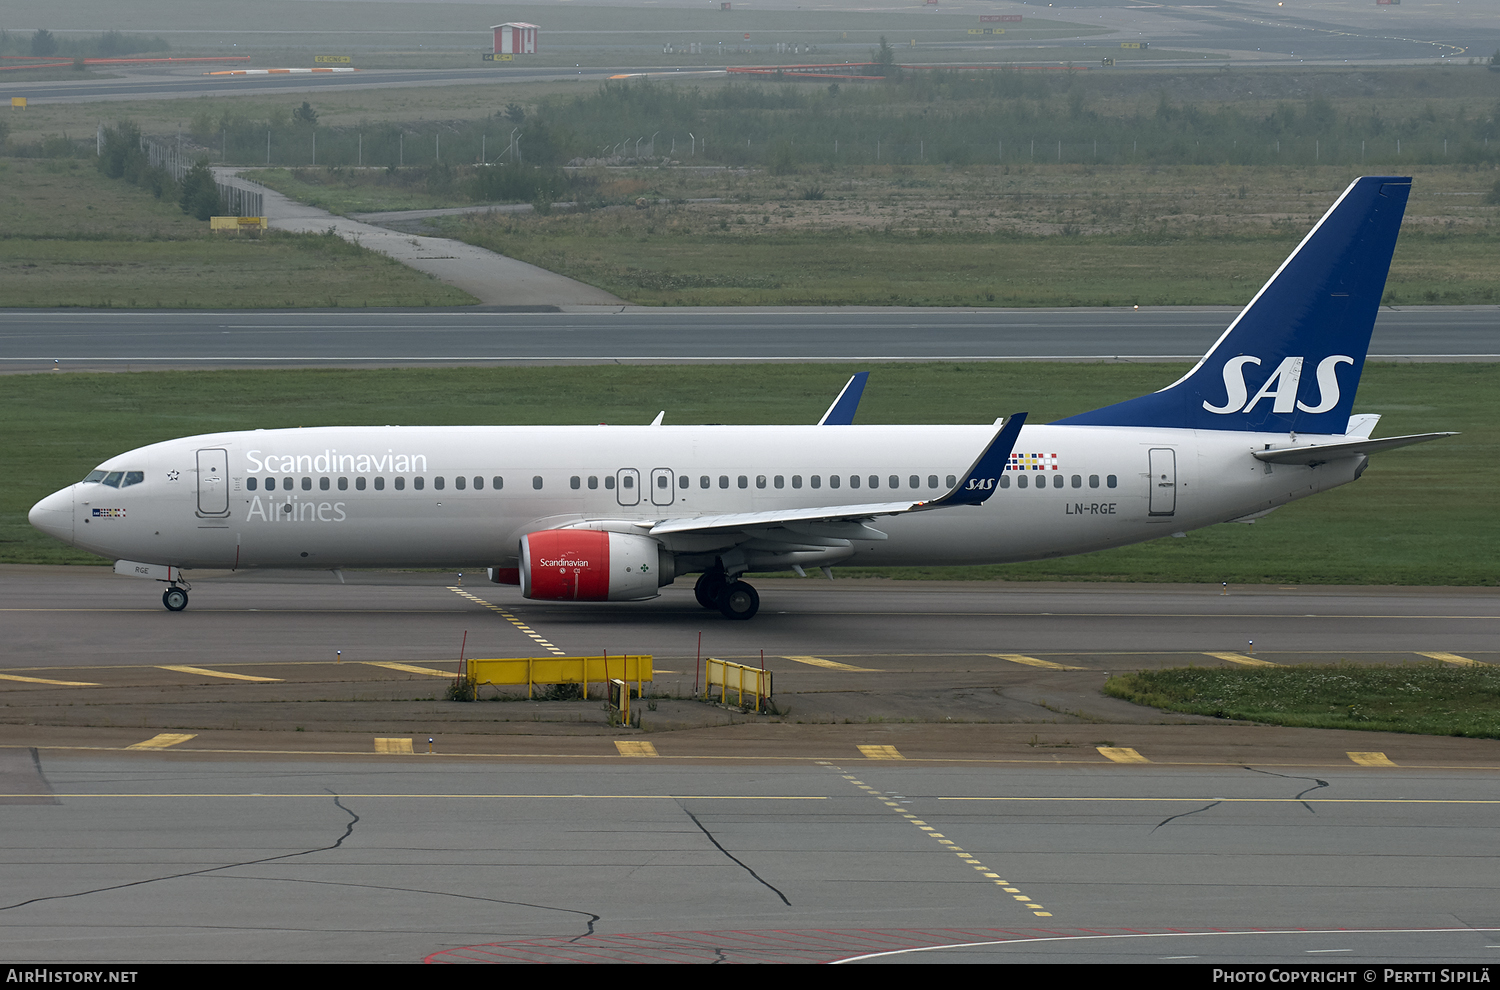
[[1281, 387]]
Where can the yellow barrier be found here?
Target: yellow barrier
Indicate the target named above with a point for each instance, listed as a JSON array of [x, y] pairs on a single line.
[[736, 676], [237, 223], [18, 101], [562, 670]]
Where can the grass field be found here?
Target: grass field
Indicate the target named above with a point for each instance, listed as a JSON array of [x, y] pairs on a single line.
[[1046, 235], [979, 236], [1423, 515], [1427, 698], [71, 237]]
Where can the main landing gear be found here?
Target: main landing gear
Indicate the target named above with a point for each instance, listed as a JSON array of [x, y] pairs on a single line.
[[733, 599]]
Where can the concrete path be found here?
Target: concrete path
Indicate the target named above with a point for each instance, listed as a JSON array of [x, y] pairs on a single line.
[[492, 279]]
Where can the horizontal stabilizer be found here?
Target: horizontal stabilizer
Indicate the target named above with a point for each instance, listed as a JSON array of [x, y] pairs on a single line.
[[1321, 453]]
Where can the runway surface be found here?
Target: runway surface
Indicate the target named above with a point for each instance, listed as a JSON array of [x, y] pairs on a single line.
[[160, 858], [274, 774], [31, 340]]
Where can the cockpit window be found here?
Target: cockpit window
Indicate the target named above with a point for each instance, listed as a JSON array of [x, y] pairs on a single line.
[[113, 478], [94, 477], [133, 478]]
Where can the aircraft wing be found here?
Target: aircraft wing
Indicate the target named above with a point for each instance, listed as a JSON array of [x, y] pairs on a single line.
[[1321, 453], [973, 488]]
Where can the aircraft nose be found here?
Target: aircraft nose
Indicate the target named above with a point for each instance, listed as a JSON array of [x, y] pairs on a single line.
[[53, 515]]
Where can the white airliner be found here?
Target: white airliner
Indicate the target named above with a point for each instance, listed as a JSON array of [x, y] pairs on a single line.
[[612, 513]]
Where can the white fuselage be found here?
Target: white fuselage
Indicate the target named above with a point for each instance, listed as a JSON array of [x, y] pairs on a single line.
[[391, 496]]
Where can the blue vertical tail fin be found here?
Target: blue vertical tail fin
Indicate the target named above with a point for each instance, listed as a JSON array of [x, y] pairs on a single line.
[[1291, 361]]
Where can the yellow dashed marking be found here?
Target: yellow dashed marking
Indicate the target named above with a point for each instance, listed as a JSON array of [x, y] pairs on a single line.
[[880, 753], [409, 668], [1453, 658], [523, 627], [1121, 754], [1371, 759], [1241, 659], [393, 745], [163, 740], [43, 680], [966, 858], [204, 672], [832, 665], [635, 748], [1033, 661]]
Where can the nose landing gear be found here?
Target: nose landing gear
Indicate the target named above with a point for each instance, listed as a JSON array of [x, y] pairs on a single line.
[[175, 599]]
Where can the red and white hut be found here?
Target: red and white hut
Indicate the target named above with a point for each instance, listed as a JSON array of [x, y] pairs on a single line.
[[515, 39]]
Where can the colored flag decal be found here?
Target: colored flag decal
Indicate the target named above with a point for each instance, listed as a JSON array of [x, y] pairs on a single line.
[[1032, 462]]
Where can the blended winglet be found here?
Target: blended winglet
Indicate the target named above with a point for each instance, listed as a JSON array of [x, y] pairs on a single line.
[[983, 476], [841, 413]]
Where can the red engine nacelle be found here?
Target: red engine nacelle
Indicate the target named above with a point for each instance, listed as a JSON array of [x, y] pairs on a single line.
[[589, 566]]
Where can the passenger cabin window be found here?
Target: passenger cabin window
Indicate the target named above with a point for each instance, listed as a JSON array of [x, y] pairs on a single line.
[[343, 484], [874, 481], [932, 481], [1005, 481], [833, 481], [703, 481], [575, 482], [359, 484], [536, 481], [760, 481], [478, 483], [380, 484], [916, 482], [417, 483], [816, 481], [779, 481], [270, 484], [662, 481], [1111, 481], [307, 484], [1077, 481], [609, 483], [1057, 481], [286, 483], [743, 481], [400, 484], [1021, 481], [723, 481], [682, 482], [952, 480], [460, 482], [323, 484], [593, 481], [854, 481], [1093, 481], [438, 483], [498, 483], [796, 481], [895, 481], [250, 484]]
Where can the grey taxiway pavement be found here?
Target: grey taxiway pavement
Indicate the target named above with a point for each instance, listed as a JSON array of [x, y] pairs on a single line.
[[946, 782], [91, 340]]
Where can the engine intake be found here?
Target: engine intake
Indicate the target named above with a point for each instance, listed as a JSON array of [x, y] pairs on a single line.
[[590, 566]]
